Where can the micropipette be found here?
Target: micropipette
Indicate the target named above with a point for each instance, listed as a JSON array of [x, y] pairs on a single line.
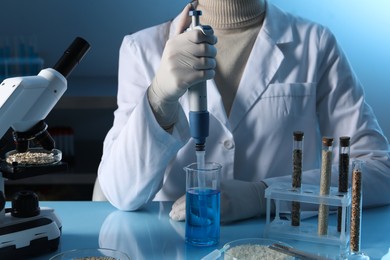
[[197, 94]]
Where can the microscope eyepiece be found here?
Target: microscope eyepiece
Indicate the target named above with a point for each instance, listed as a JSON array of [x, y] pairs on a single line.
[[72, 56]]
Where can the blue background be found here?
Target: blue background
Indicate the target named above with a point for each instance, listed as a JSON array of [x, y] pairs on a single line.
[[362, 28]]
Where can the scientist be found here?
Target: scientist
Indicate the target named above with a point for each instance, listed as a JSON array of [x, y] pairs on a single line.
[[269, 73]]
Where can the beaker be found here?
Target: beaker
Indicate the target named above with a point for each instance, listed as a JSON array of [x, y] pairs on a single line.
[[203, 204]]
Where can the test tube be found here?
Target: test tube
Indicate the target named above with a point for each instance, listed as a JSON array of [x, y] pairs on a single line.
[[356, 213], [297, 175], [326, 171], [344, 150]]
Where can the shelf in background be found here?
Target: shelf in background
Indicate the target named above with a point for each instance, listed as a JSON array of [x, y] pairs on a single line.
[[71, 102], [89, 93], [92, 87]]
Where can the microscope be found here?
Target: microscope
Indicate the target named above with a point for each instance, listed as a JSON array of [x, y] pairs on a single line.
[[27, 229]]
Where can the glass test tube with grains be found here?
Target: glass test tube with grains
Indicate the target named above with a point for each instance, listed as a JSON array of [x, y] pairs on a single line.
[[344, 150], [356, 211], [326, 171], [297, 175]]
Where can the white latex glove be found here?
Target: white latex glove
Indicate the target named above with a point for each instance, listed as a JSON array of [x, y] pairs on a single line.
[[239, 200], [242, 200], [188, 59], [178, 211]]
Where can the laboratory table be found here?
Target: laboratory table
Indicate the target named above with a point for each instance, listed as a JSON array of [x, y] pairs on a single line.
[[150, 234]]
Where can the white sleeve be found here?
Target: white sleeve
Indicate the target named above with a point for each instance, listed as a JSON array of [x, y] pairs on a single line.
[[342, 111], [136, 150]]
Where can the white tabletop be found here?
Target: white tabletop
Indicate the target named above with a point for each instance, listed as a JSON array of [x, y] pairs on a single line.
[[150, 234]]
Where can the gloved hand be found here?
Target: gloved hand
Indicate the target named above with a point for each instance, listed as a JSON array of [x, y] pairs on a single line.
[[242, 200], [178, 211], [239, 200], [188, 58]]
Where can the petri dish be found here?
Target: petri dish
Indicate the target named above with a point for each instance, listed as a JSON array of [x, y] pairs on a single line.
[[253, 249], [91, 254], [34, 157]]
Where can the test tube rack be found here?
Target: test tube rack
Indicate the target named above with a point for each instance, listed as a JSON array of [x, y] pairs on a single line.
[[307, 230]]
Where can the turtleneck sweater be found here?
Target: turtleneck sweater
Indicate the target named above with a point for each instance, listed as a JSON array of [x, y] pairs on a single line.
[[236, 24]]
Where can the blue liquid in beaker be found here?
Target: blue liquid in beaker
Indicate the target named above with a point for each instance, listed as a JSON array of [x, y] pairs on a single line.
[[202, 217]]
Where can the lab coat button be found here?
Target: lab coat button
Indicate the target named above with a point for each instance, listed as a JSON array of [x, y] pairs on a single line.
[[228, 144]]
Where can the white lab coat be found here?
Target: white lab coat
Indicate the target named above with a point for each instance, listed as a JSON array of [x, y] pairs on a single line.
[[296, 78]]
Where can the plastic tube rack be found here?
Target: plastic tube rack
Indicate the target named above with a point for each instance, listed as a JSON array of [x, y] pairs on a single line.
[[307, 230]]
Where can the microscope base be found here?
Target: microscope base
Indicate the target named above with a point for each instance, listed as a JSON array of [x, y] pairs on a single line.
[[23, 237]]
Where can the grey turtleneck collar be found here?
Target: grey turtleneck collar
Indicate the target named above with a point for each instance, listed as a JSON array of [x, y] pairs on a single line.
[[230, 14]]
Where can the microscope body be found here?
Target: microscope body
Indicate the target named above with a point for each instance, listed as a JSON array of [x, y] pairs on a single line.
[[25, 228], [24, 101]]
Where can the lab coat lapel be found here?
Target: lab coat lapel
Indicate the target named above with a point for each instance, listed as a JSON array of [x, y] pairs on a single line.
[[215, 104], [263, 63]]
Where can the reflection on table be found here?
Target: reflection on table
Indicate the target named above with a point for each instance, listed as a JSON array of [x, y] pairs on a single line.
[[150, 234]]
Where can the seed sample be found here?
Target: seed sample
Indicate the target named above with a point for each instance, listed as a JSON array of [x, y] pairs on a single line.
[[297, 175], [356, 210], [326, 171], [344, 150]]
